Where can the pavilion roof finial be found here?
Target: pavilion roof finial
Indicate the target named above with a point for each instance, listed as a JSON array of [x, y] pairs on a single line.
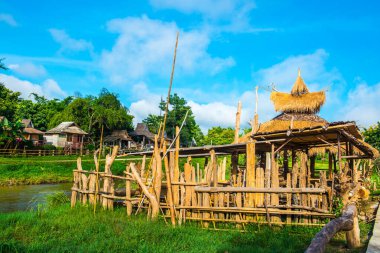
[[299, 87]]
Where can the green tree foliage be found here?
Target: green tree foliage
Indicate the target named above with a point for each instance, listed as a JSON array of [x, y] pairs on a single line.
[[91, 112], [372, 135], [219, 136], [8, 99], [176, 114], [153, 123], [8, 102], [41, 111], [10, 134]]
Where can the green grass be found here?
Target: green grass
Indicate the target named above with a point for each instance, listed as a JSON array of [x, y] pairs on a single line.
[[44, 170], [57, 228]]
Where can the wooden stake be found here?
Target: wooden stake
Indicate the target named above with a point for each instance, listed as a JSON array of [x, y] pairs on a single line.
[[237, 123]]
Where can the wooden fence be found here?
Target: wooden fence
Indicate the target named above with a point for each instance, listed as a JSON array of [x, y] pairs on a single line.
[[41, 152], [205, 194]]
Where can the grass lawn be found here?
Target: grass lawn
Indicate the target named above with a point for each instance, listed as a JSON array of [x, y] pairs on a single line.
[[61, 229], [43, 170]]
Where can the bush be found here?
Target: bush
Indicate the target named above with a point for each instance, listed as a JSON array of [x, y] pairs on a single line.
[[48, 147]]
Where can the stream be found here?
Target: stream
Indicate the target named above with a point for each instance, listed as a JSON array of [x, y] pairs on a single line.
[[24, 197]]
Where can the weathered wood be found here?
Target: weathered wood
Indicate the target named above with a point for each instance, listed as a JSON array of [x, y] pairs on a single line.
[[343, 223], [250, 181], [176, 168], [128, 192], [237, 123], [169, 187], [151, 197], [158, 175]]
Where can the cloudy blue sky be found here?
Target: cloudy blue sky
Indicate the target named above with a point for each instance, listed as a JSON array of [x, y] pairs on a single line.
[[226, 48]]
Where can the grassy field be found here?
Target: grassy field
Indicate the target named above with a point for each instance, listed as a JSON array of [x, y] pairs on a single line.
[[43, 170], [61, 229]]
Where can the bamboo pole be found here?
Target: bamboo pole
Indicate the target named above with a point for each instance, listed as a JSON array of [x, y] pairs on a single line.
[[237, 123], [152, 198], [251, 182], [97, 166], [169, 187]]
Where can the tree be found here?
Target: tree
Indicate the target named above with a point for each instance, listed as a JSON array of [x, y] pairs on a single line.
[[91, 112], [219, 136], [372, 135], [190, 131], [153, 122], [41, 111], [8, 102]]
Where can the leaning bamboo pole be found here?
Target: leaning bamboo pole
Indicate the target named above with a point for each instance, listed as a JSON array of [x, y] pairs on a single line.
[[97, 165]]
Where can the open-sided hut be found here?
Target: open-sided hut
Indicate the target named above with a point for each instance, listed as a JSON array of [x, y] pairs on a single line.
[[142, 136], [120, 138]]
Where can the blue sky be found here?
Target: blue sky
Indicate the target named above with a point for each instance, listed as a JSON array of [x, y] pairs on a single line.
[[226, 48]]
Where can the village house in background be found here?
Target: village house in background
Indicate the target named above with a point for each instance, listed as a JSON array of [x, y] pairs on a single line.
[[142, 136], [66, 135], [120, 138], [32, 134]]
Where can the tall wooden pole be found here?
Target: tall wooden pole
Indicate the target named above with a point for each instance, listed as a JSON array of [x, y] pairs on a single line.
[[169, 91], [97, 169], [237, 123]]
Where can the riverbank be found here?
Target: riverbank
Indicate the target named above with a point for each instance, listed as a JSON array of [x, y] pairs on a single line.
[[62, 229]]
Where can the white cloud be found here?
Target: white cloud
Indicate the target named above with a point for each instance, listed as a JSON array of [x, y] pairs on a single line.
[[49, 88], [69, 44], [28, 69], [362, 104], [147, 104], [6, 18], [146, 46]]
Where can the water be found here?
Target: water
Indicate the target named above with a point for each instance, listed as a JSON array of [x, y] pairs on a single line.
[[24, 197]]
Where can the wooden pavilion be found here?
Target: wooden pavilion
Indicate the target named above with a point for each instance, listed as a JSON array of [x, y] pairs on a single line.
[[268, 176]]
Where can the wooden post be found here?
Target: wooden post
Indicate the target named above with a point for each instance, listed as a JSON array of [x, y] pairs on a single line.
[[339, 154], [250, 149], [176, 168], [158, 176], [288, 197], [128, 203], [267, 169], [169, 187], [237, 123], [151, 197], [234, 169]]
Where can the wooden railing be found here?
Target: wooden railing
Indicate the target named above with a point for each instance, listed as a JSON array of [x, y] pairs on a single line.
[[42, 152]]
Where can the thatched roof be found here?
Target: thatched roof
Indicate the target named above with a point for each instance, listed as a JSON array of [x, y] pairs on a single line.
[[66, 128], [142, 130], [117, 135], [290, 121], [299, 100], [305, 103]]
